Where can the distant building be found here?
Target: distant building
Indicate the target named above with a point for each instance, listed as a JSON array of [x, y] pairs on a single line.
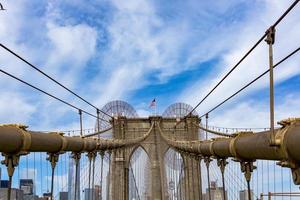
[[89, 193], [46, 196], [244, 195], [4, 183], [215, 192], [97, 192], [30, 197], [27, 186], [43, 198], [63, 196], [16, 194]]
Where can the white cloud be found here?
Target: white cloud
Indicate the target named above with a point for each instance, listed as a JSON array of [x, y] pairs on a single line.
[[258, 20], [61, 50], [75, 43], [253, 113], [142, 43], [29, 173], [145, 45], [14, 108]]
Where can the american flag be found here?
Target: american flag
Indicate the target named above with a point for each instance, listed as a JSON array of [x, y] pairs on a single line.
[[152, 104]]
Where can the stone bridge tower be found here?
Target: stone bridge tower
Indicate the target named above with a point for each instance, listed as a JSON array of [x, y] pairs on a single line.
[[155, 147]]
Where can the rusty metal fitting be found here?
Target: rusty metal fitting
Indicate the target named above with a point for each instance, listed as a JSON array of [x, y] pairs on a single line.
[[76, 156], [91, 155], [222, 164], [10, 161], [53, 159], [207, 161], [102, 153], [247, 168], [270, 35]]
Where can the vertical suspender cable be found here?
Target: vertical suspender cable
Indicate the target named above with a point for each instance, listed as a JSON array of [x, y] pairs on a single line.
[[222, 163], [93, 176], [281, 172], [206, 125], [34, 172], [90, 168], [27, 172], [98, 121], [207, 162], [41, 172], [290, 184], [47, 175], [109, 174], [19, 175], [257, 191], [262, 176], [268, 173], [270, 41], [101, 174], [200, 179], [274, 180], [80, 119], [76, 157], [53, 158], [9, 187]]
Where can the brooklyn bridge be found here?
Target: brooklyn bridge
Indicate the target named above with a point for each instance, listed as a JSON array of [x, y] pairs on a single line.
[[174, 155]]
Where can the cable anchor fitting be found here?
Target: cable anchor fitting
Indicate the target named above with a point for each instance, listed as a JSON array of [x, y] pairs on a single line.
[[10, 161], [247, 168], [53, 159], [270, 35], [222, 164]]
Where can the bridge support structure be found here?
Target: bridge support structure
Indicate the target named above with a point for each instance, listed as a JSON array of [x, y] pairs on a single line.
[[155, 147]]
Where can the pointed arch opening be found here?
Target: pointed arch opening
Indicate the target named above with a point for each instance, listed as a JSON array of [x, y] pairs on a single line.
[[139, 175], [174, 174]]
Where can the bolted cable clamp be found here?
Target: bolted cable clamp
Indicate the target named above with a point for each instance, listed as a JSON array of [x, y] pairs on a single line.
[[270, 35]]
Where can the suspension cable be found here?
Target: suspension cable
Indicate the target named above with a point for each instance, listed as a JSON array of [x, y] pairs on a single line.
[[214, 132], [52, 79], [254, 80], [50, 95], [248, 52]]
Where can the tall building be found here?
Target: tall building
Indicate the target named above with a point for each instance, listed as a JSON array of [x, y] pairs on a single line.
[[16, 194], [63, 196], [4, 183], [46, 196], [215, 192], [244, 195], [71, 180], [88, 193], [97, 192], [26, 185]]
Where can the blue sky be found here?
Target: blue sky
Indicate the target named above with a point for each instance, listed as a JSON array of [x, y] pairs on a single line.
[[140, 50], [137, 50]]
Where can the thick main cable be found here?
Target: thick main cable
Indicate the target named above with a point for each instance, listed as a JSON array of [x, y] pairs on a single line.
[[250, 83], [50, 95], [52, 79], [248, 52]]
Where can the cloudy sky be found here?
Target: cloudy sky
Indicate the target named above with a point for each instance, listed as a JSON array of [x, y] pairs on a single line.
[[137, 50]]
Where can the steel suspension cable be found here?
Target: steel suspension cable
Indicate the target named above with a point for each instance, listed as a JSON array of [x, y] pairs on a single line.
[[52, 182], [101, 173], [250, 83], [50, 95], [93, 176], [52, 79], [246, 55]]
